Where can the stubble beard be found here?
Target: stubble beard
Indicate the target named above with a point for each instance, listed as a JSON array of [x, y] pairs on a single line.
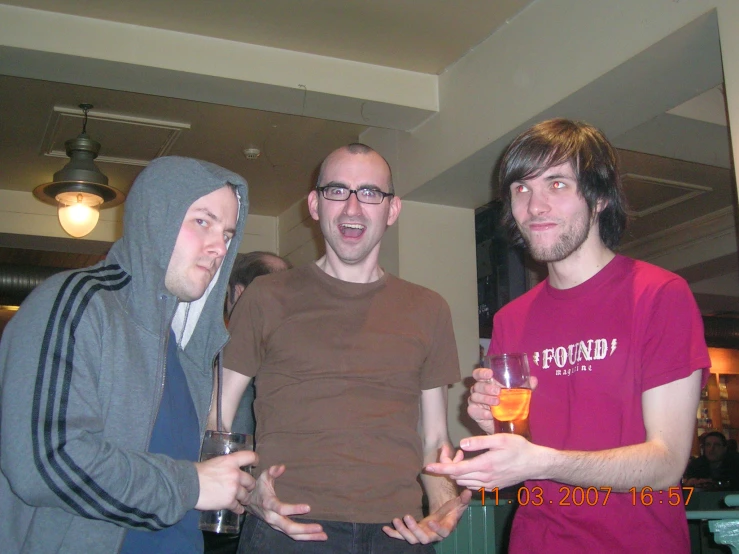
[[569, 242], [348, 255], [185, 287], [185, 290]]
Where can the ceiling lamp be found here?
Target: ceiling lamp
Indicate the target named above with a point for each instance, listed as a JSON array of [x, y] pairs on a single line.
[[79, 189]]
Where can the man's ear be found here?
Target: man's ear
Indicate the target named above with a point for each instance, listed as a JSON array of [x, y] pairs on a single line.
[[394, 212], [238, 290], [600, 205], [313, 204]]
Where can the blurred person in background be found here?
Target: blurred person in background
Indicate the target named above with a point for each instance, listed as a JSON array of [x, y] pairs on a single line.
[[717, 468]]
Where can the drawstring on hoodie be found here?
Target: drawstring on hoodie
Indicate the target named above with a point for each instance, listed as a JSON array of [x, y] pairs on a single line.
[[219, 386], [184, 326]]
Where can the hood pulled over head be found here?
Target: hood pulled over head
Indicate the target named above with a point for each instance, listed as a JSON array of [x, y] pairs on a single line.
[[154, 212]]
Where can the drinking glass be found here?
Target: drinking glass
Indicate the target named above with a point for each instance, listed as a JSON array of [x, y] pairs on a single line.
[[511, 372], [220, 443]]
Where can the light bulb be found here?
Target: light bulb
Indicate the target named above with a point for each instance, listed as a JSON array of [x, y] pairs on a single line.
[[78, 212]]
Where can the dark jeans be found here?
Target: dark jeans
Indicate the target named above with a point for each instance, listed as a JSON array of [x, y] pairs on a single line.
[[257, 537]]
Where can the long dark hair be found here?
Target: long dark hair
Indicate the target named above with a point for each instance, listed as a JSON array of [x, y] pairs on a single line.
[[593, 158]]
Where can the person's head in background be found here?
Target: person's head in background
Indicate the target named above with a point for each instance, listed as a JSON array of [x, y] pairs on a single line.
[[248, 267], [714, 446]]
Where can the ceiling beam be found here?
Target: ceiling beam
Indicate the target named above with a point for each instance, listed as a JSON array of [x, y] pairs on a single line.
[[84, 51]]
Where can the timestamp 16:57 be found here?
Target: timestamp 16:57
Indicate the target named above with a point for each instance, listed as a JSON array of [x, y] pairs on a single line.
[[592, 496]]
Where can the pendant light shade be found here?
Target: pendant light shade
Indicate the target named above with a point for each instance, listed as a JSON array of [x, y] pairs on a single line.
[[80, 190], [78, 212]]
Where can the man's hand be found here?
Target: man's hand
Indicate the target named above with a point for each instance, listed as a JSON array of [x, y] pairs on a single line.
[[434, 527], [483, 394], [508, 461], [223, 484], [265, 504]]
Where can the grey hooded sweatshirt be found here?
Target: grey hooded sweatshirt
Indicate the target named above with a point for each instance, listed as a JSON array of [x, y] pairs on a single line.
[[82, 367]]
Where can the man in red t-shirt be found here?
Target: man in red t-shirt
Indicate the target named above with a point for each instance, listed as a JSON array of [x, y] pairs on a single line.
[[617, 354]]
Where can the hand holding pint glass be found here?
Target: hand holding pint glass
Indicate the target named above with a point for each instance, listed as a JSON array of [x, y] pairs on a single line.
[[220, 443], [511, 372]]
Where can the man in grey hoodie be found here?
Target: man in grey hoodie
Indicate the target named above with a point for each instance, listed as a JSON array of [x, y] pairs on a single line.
[[106, 379]]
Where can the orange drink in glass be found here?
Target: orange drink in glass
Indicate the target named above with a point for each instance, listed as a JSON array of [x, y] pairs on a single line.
[[511, 372]]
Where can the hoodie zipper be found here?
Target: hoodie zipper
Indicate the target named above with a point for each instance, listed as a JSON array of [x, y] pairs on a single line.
[[164, 325]]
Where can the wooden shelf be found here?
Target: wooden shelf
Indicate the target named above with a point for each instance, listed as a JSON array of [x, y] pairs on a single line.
[[720, 397]]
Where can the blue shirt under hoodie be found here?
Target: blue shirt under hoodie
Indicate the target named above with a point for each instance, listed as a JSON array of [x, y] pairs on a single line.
[[176, 434]]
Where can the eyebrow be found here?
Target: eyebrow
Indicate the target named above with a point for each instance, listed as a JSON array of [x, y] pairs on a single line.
[[215, 218], [344, 185], [551, 177], [559, 176]]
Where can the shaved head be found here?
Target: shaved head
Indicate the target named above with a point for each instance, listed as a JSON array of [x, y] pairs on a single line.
[[356, 148]]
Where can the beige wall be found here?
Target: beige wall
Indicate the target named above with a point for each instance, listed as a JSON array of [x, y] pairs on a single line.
[[437, 250], [728, 24], [385, 142], [389, 259], [299, 237], [260, 234], [22, 213]]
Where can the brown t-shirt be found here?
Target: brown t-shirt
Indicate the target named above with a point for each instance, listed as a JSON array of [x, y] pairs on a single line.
[[339, 372]]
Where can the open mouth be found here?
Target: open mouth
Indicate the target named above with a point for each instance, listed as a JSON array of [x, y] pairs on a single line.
[[352, 230]]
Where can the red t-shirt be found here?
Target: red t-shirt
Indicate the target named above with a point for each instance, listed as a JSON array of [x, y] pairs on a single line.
[[595, 349]]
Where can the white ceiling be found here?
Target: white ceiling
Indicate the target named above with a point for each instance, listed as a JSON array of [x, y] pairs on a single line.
[[417, 35], [709, 107]]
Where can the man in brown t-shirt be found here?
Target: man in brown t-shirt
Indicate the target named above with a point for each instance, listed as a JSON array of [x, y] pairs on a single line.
[[347, 360]]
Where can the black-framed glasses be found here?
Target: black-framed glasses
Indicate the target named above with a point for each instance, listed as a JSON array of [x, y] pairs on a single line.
[[365, 195]]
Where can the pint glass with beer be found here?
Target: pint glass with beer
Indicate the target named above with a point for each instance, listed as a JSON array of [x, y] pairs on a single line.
[[511, 372]]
